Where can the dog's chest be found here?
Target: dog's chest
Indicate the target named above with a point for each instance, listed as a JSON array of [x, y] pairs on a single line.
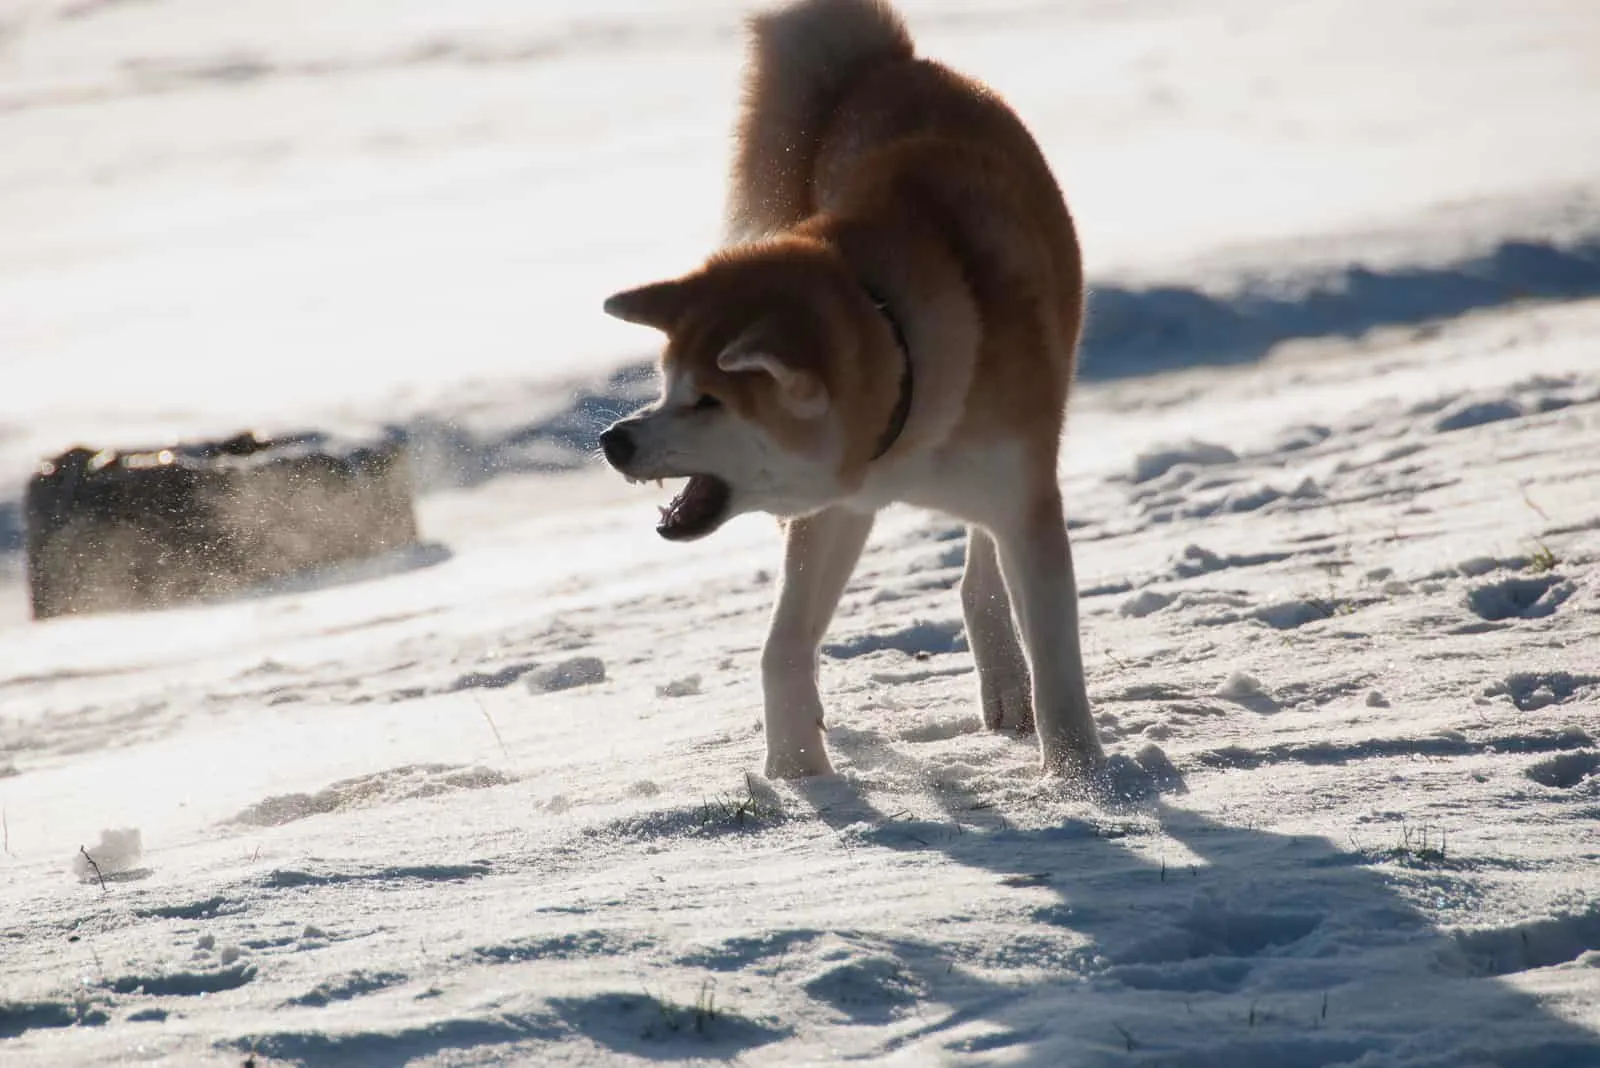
[[974, 482]]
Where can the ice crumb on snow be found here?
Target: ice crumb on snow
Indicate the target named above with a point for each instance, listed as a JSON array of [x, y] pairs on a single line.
[[1475, 566], [1239, 685], [688, 686], [1159, 461], [1197, 560], [941, 728], [567, 675], [1376, 699], [1154, 760], [1536, 698], [1288, 615], [1144, 604], [118, 851]]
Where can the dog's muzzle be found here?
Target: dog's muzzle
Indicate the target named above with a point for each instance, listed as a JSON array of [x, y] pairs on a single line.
[[618, 445], [701, 507]]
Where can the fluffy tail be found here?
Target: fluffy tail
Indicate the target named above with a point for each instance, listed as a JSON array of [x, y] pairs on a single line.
[[802, 58]]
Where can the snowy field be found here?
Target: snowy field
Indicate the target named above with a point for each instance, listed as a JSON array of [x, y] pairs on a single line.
[[1333, 469]]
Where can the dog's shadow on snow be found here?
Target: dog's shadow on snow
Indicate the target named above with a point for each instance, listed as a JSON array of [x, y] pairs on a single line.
[[1156, 935]]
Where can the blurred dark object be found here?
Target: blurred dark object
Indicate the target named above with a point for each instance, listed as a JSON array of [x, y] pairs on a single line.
[[118, 530]]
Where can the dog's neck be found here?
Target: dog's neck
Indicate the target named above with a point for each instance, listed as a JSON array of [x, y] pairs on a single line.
[[902, 407]]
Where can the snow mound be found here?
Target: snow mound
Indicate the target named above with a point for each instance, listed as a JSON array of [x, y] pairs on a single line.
[[1154, 463]]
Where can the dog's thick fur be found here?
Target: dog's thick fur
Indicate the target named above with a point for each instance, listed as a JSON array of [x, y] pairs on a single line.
[[892, 226]]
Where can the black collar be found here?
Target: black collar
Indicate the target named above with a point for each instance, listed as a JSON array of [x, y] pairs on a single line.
[[902, 407]]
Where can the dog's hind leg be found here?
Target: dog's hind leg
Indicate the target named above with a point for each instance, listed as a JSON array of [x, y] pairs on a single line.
[[1003, 686], [819, 555], [1036, 559]]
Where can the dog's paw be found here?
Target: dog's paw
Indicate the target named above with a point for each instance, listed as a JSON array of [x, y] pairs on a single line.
[[1070, 755], [1007, 707], [1119, 780], [798, 763]]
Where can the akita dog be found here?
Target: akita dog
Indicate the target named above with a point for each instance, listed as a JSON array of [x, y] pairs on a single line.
[[894, 317]]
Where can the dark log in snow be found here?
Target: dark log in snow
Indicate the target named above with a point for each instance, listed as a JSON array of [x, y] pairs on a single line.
[[117, 530]]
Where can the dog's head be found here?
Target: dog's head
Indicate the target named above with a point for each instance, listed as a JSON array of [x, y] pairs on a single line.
[[761, 376]]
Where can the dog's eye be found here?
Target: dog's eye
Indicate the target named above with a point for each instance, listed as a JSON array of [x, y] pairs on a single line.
[[706, 403]]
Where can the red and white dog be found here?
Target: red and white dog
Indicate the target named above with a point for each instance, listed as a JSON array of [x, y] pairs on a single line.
[[894, 318]]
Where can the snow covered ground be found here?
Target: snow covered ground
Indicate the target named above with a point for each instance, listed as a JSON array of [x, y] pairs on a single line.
[[1335, 485]]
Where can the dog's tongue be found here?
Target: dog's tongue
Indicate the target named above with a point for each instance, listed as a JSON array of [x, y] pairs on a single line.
[[696, 510]]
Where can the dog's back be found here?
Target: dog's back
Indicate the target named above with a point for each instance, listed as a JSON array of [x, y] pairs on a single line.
[[841, 117]]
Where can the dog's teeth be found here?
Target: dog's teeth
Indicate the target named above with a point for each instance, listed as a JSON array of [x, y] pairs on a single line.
[[664, 510]]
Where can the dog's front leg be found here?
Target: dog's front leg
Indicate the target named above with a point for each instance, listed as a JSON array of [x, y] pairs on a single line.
[[819, 555], [1036, 559]]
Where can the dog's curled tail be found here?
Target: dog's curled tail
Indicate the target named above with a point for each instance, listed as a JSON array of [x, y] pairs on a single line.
[[802, 58]]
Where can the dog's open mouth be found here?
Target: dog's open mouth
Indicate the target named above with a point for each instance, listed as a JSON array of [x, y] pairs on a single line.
[[697, 511]]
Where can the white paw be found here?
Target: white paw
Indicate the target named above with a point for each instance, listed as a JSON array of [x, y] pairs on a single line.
[[1077, 759], [798, 762], [1007, 704]]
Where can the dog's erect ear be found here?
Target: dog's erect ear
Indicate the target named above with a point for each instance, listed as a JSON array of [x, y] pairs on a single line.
[[802, 393], [660, 304]]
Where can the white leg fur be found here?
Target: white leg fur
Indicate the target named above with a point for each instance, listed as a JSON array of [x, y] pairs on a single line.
[[1036, 559], [1003, 685], [819, 556]]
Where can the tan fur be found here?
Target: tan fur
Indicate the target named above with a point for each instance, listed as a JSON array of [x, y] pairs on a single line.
[[860, 169], [803, 60]]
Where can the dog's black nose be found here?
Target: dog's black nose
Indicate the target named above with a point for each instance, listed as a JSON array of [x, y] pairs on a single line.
[[618, 445]]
